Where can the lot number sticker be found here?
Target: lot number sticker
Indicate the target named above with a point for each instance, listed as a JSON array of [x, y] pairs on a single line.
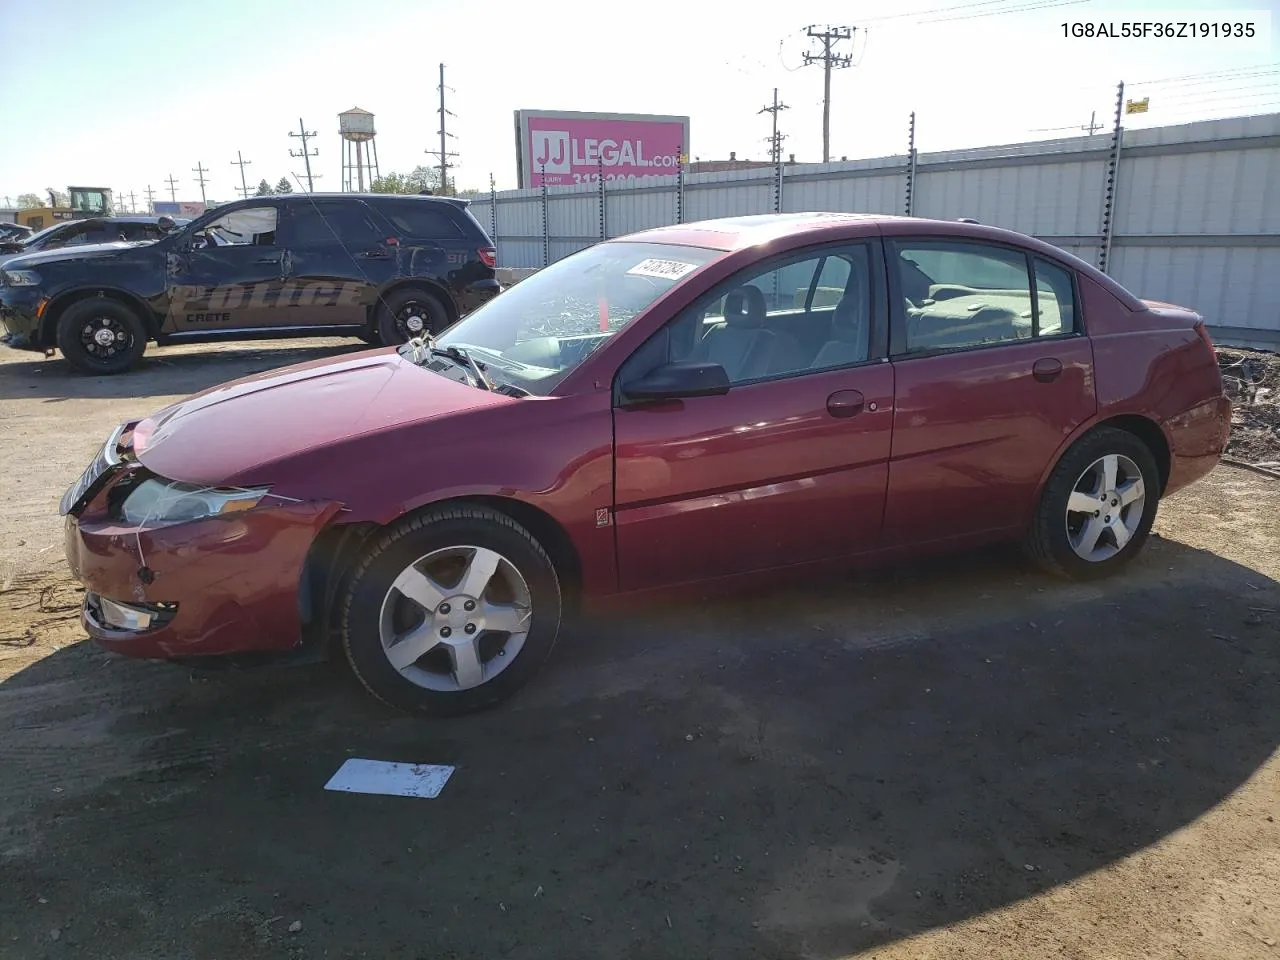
[[662, 269]]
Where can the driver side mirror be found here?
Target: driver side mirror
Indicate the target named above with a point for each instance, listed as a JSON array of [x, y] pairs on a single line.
[[678, 381]]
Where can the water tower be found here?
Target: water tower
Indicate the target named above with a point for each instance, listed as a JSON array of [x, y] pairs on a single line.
[[359, 150]]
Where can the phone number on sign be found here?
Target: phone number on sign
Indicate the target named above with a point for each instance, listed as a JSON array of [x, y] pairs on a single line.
[[1195, 30]]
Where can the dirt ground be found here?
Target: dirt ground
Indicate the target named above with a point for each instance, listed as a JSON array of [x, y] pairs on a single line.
[[959, 759]]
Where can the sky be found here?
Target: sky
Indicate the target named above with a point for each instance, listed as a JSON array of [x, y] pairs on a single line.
[[127, 93]]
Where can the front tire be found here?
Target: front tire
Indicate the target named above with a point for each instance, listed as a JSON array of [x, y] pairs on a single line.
[[99, 335], [451, 611], [1096, 510], [410, 313]]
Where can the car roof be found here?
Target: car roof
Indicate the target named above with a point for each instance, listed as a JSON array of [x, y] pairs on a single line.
[[456, 202], [737, 233]]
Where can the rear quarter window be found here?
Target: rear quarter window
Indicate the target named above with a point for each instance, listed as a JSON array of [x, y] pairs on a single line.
[[424, 221]]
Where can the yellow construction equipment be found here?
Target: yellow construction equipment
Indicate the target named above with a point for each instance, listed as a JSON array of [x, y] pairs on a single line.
[[82, 202]]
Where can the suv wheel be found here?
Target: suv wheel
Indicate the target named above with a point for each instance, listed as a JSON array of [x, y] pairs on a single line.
[[451, 611], [101, 336], [406, 314], [1097, 509]]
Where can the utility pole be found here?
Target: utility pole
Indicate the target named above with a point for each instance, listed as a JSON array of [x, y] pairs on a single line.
[[1094, 126], [151, 199], [173, 188], [829, 60], [775, 141], [443, 154], [304, 134], [199, 170], [241, 162], [132, 202]]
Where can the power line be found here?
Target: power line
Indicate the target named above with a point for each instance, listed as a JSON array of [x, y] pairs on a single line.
[[305, 135], [241, 162], [774, 141], [1018, 4], [443, 154], [1025, 8], [173, 188], [829, 60], [1230, 72], [199, 170]]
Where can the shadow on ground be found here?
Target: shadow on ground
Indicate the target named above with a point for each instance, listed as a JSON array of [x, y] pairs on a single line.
[[162, 371], [807, 773]]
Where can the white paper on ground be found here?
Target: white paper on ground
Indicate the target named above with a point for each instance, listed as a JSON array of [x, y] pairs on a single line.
[[390, 779]]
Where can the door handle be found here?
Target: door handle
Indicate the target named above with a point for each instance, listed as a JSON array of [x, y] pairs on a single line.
[[845, 403], [275, 259], [376, 255], [1047, 370]]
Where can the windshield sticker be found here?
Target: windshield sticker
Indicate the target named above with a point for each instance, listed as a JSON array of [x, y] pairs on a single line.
[[662, 269]]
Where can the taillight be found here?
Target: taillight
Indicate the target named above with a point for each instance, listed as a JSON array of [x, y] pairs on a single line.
[[488, 256]]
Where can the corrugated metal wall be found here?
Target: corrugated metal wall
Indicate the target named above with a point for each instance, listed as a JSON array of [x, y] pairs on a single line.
[[1197, 216]]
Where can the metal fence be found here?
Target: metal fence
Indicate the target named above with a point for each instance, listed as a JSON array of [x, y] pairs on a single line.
[[1194, 214]]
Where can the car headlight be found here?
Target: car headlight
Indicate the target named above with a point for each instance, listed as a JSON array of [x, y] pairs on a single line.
[[22, 278], [158, 503]]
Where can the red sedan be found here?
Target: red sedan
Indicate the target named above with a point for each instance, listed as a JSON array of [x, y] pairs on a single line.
[[716, 401]]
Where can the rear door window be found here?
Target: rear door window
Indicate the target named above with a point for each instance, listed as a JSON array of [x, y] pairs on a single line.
[[421, 220], [320, 222]]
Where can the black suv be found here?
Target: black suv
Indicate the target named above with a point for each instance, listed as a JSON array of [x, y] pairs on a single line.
[[382, 267]]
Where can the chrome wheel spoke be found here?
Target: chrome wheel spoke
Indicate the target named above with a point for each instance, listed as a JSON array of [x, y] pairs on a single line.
[[1110, 465], [480, 570], [419, 588], [507, 617], [408, 650], [1131, 492], [1120, 532], [1088, 537], [1080, 502], [468, 671]]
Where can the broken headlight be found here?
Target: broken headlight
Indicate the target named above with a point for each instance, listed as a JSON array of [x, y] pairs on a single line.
[[22, 278], [159, 503]]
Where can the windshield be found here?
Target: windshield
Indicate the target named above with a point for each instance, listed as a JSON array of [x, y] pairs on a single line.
[[535, 333]]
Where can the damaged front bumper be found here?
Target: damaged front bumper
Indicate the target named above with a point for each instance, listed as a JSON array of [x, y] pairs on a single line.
[[209, 587], [20, 311]]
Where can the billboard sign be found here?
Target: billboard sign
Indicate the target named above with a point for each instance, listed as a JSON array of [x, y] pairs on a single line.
[[179, 208], [567, 148]]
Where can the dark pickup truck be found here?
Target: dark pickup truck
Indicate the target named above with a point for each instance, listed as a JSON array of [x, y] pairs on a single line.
[[382, 267]]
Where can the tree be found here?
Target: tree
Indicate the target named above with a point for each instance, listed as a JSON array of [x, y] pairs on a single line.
[[264, 189], [422, 178], [29, 200], [283, 186]]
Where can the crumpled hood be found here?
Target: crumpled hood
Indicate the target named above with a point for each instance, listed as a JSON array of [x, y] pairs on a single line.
[[219, 434], [86, 251]]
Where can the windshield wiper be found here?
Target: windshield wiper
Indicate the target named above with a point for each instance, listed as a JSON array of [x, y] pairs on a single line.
[[458, 355]]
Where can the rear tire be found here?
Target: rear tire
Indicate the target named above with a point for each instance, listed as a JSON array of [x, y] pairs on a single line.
[[99, 335], [450, 611], [410, 313], [1096, 510]]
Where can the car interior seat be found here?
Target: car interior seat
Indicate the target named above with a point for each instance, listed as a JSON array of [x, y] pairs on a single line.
[[740, 344], [850, 329]]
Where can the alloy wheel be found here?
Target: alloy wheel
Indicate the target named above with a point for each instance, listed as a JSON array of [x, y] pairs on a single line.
[[455, 618], [1105, 508]]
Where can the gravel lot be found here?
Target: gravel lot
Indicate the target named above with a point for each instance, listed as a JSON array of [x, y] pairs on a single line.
[[958, 759]]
